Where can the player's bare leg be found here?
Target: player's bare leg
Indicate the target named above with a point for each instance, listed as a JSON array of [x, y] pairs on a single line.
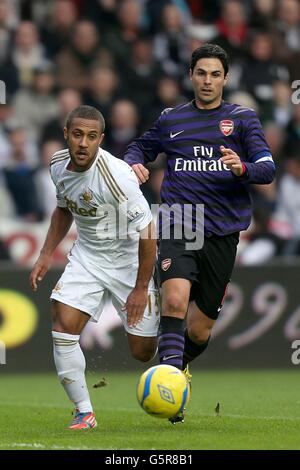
[[142, 348], [197, 333], [67, 324]]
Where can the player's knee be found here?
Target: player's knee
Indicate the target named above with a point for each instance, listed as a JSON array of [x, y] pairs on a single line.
[[200, 336], [64, 327], [143, 355], [173, 305]]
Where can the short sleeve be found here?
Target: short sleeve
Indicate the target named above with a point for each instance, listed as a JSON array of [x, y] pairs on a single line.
[[135, 208], [58, 185]]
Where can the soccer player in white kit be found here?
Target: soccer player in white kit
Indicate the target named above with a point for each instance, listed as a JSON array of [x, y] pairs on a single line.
[[114, 254]]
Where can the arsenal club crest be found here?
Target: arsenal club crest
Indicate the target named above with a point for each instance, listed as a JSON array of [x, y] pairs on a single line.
[[226, 127], [165, 264]]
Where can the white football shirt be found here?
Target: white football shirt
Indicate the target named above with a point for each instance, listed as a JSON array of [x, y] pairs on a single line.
[[108, 206]]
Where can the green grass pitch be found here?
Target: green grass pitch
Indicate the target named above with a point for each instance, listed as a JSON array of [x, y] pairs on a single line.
[[258, 410]]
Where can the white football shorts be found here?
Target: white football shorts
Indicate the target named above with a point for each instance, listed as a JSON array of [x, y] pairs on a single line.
[[88, 287]]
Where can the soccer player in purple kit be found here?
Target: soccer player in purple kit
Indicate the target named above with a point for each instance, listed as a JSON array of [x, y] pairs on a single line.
[[214, 151]]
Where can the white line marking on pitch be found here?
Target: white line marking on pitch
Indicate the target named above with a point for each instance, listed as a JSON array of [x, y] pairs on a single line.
[[38, 445]]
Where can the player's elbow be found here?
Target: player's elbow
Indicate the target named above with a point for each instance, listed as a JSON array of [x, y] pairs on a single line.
[[265, 174], [271, 176]]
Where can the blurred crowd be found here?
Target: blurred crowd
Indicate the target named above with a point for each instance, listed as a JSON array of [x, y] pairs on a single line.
[[130, 59]]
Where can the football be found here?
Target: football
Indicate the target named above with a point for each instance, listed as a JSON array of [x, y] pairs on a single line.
[[163, 391]]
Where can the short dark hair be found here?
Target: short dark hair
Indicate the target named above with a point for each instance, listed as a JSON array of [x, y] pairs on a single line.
[[85, 112], [210, 50]]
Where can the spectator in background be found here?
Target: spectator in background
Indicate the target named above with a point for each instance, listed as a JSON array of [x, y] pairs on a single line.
[[119, 41], [142, 74], [103, 13], [19, 176], [167, 95], [154, 10], [264, 196], [119, 66], [57, 31], [171, 42], [276, 136], [261, 70], [103, 88], [36, 105], [282, 236], [123, 127], [27, 52], [262, 15], [265, 199], [67, 100], [293, 131], [5, 115], [288, 24], [4, 253], [33, 10], [233, 29], [204, 10], [281, 109], [6, 206], [8, 71], [75, 61], [286, 221], [6, 29]]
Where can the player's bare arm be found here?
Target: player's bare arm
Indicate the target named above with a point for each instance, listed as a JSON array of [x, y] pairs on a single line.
[[141, 172], [232, 160], [138, 298], [61, 222]]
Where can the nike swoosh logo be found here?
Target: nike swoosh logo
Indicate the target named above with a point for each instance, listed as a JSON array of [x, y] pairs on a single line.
[[175, 134], [166, 358]]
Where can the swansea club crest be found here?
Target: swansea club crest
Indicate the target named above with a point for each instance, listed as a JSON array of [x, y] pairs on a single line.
[[87, 197]]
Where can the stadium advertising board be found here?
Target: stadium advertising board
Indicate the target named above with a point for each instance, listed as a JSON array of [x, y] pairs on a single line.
[[259, 325]]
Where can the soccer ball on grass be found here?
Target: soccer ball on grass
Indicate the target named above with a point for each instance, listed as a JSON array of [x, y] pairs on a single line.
[[163, 391]]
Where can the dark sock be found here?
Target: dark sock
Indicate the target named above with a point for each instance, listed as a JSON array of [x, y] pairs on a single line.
[[171, 341], [191, 349]]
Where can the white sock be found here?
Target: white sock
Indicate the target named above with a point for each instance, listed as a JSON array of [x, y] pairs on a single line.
[[70, 365]]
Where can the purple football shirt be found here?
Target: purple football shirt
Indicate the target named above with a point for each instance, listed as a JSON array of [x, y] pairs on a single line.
[[191, 139]]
